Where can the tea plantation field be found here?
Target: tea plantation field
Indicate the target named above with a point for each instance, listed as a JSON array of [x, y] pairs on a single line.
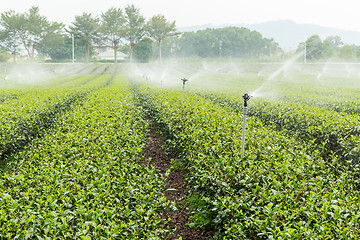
[[72, 140]]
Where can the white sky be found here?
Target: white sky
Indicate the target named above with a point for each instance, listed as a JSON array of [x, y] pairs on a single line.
[[332, 13]]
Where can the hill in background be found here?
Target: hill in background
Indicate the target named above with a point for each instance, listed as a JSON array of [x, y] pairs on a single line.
[[288, 33]]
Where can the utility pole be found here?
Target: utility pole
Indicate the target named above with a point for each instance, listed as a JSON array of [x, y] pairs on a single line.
[[73, 48], [305, 53], [220, 48]]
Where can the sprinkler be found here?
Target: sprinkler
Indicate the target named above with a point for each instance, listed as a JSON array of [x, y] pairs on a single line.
[[182, 96], [246, 99], [147, 78]]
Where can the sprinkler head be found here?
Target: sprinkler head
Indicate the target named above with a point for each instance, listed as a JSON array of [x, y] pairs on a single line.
[[246, 98], [184, 80]]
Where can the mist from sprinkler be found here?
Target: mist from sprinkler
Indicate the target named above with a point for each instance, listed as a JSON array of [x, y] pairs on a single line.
[[280, 70], [323, 71]]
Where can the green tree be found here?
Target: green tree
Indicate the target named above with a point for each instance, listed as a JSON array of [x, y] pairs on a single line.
[[37, 27], [203, 43], [346, 52], [257, 46], [169, 47], [159, 29], [112, 29], [357, 52], [57, 47], [134, 27], [53, 42], [29, 28], [14, 30], [186, 46], [143, 50], [271, 47], [331, 46], [314, 47], [224, 42], [4, 55], [9, 39], [86, 30], [207, 43]]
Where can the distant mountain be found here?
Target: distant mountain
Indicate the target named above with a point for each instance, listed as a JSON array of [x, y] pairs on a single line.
[[288, 33]]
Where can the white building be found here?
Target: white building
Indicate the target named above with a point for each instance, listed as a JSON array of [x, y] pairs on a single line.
[[107, 53]]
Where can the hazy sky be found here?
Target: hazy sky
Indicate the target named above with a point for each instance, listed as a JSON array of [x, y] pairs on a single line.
[[333, 13]]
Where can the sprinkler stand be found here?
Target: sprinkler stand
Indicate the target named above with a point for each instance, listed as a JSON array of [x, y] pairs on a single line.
[[246, 98], [182, 95]]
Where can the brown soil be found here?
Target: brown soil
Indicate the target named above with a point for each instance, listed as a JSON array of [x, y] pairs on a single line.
[[177, 191]]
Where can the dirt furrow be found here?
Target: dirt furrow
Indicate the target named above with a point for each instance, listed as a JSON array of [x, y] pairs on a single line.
[[176, 189]]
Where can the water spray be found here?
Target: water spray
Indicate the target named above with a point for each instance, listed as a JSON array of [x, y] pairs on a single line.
[[182, 96], [246, 99], [147, 78]]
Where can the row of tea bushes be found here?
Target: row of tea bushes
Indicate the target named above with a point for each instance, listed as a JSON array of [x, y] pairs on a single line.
[[281, 189], [84, 179], [24, 117], [334, 133]]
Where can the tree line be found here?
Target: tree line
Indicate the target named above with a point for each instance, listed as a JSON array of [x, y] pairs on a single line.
[[228, 42], [124, 30], [35, 33], [331, 47], [128, 31]]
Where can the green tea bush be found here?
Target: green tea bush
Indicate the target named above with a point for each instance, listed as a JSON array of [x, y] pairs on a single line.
[[84, 179], [281, 189]]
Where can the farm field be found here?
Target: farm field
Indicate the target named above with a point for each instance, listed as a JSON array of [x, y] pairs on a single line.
[[73, 138]]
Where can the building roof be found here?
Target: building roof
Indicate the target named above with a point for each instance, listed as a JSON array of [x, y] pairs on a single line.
[[110, 55]]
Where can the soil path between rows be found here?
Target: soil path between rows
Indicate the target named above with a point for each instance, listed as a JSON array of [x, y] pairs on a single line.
[[175, 182]]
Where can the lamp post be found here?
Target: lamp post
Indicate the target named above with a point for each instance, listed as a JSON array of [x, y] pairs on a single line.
[[246, 99]]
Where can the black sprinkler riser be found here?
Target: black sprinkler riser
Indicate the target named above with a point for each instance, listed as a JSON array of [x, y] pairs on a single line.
[[246, 98]]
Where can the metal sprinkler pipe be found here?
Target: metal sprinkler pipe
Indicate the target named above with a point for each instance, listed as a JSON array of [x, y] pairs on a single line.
[[246, 99], [182, 95]]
